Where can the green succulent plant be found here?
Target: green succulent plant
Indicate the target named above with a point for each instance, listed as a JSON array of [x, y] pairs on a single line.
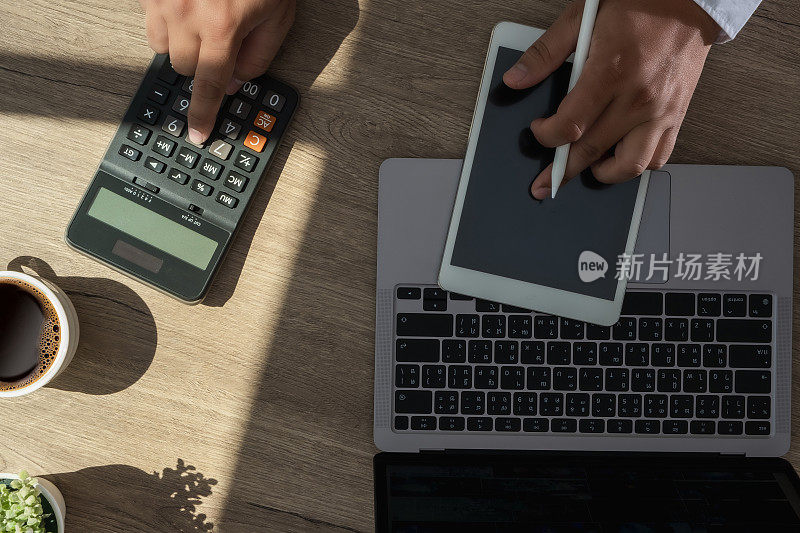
[[20, 506]]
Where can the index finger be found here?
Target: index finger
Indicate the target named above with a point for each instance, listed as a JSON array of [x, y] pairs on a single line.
[[214, 70]]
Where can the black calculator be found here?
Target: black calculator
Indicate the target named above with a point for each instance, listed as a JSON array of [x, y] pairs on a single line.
[[164, 210]]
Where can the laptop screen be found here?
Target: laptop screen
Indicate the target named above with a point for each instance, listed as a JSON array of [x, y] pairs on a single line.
[[421, 493]]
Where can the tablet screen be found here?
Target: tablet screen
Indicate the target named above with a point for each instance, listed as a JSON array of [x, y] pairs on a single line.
[[505, 232]]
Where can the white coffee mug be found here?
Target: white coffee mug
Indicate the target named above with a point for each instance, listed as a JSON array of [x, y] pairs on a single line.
[[69, 330]]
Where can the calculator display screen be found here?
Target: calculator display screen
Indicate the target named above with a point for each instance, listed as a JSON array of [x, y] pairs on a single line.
[[154, 229]]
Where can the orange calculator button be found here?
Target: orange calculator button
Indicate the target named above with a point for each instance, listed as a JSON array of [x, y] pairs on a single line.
[[254, 141], [265, 121]]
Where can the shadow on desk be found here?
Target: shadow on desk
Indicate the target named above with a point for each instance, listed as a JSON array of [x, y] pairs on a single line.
[[121, 498], [118, 334]]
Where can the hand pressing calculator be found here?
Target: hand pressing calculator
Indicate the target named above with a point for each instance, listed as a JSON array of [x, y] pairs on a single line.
[[164, 210]]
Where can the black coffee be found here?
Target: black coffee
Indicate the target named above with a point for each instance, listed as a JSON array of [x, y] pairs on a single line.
[[29, 334]]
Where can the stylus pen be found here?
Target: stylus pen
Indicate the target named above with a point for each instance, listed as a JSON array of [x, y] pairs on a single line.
[[581, 51]]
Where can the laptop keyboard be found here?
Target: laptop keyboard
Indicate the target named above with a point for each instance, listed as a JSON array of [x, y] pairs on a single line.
[[676, 363]]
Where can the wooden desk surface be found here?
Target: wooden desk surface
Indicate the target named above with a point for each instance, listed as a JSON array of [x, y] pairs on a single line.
[[253, 412]]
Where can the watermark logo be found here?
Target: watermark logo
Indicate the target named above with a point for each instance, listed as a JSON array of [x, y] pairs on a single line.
[[591, 266]]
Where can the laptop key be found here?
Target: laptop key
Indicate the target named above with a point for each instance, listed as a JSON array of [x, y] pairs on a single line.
[[417, 351], [611, 353], [598, 333], [584, 353], [468, 326], [512, 378], [506, 352], [760, 305], [720, 381], [642, 303], [729, 427], [565, 378], [706, 406], [459, 377], [406, 376], [434, 300], [751, 356], [451, 423], [679, 304], [695, 380], [617, 379], [629, 405], [454, 351], [445, 402], [480, 351], [681, 406], [637, 354], [558, 353], [689, 355], [493, 326], [620, 426], [715, 355], [460, 297], [401, 423], [535, 425], [498, 403], [545, 327], [571, 329], [734, 305], [643, 380], [709, 304], [515, 309], [668, 381], [564, 425], [733, 407], [651, 329], [409, 293], [525, 403], [757, 428], [533, 352], [624, 329], [676, 329], [473, 402], [507, 424], [520, 326], [662, 354], [538, 378], [753, 381], [702, 330], [702, 427], [758, 407], [578, 404], [744, 330], [423, 423], [675, 427], [551, 404], [656, 405], [648, 427], [604, 405], [424, 325], [413, 401], [485, 306], [434, 376], [486, 377], [591, 425], [590, 379], [475, 423]]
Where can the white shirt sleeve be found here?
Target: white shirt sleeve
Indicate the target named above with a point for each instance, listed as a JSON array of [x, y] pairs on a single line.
[[731, 15]]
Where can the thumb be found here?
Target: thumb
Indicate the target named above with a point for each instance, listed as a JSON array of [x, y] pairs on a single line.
[[549, 51]]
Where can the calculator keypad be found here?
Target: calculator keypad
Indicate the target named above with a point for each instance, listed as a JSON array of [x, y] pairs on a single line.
[[223, 168]]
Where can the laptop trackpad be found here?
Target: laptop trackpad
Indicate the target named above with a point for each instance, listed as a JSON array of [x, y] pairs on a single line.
[[653, 239]]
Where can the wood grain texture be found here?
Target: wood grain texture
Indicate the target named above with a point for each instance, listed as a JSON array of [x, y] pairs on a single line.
[[253, 412]]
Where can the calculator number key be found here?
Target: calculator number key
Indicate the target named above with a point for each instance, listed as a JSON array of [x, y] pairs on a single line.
[[187, 158], [203, 188], [173, 126], [188, 85], [210, 169], [227, 200], [139, 134], [164, 146], [255, 142], [250, 89], [220, 149], [230, 129], [239, 108], [130, 153], [148, 113], [181, 104], [265, 121], [245, 161], [275, 101], [235, 181]]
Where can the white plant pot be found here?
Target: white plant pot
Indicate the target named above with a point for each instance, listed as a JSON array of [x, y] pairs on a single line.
[[53, 496]]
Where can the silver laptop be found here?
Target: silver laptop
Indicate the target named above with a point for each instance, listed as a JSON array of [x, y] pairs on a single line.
[[699, 362]]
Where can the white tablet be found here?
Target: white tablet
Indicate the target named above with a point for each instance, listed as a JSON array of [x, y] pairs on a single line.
[[557, 256]]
